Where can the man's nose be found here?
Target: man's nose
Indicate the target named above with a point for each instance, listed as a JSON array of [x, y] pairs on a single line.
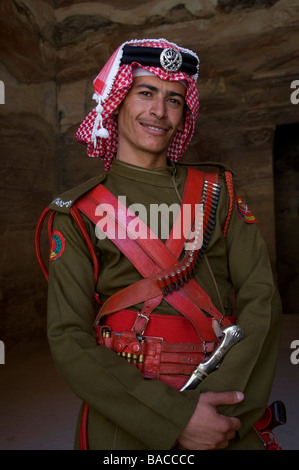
[[158, 107]]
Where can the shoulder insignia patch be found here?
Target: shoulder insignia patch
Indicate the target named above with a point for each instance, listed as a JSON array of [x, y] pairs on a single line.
[[243, 211], [57, 245]]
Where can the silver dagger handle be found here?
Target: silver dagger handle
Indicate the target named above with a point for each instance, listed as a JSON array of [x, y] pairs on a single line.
[[232, 335]]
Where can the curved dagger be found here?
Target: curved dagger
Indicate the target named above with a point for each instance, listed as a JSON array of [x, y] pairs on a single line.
[[232, 335]]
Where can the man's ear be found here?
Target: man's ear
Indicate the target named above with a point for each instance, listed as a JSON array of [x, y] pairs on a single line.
[[115, 112]]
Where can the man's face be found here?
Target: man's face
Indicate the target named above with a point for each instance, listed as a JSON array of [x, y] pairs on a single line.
[[150, 116]]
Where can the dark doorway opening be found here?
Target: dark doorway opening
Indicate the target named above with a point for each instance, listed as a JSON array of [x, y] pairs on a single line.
[[286, 184]]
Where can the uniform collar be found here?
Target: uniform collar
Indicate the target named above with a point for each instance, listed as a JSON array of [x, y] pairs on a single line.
[[159, 176]]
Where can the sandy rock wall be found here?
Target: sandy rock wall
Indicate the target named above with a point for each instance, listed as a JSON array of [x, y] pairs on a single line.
[[28, 128]]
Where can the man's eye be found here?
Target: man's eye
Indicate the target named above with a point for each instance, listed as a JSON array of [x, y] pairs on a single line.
[[175, 102], [145, 93]]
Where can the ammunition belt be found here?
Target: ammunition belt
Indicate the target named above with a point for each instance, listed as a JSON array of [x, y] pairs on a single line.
[[172, 363]]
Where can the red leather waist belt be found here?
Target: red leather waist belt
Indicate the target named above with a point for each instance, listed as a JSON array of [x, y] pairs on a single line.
[[169, 352]]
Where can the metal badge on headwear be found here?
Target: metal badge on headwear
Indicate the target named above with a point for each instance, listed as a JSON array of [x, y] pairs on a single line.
[[164, 59]]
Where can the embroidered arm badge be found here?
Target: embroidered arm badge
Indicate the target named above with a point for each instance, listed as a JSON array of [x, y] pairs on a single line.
[[57, 245], [243, 211]]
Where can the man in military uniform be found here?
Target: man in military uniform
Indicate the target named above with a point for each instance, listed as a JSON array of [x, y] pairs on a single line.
[[147, 105]]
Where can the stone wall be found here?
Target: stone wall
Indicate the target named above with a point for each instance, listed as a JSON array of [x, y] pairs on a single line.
[[50, 53], [28, 129]]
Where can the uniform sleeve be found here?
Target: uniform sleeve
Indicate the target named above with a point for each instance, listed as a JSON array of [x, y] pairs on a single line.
[[94, 373], [250, 365]]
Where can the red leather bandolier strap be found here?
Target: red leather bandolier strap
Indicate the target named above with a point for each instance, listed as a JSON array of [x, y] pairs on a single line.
[[146, 254]]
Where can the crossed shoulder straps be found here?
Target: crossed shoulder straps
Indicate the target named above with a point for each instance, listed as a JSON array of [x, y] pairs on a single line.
[[164, 276]]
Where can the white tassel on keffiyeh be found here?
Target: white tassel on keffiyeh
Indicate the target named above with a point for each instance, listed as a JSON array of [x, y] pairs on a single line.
[[98, 129]]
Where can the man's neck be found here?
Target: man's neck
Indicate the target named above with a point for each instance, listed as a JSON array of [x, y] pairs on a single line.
[[145, 160]]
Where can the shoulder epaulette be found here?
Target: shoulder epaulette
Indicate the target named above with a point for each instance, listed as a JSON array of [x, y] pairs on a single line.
[[208, 166], [66, 204], [65, 201]]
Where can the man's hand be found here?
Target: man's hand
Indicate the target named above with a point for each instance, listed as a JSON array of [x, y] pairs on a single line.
[[207, 429]]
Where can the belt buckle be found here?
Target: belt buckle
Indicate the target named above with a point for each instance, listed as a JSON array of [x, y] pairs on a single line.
[[141, 315]]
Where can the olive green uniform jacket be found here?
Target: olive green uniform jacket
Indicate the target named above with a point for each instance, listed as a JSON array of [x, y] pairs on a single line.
[[126, 411]]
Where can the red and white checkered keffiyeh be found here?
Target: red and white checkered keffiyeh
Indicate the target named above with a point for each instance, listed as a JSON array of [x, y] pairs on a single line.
[[99, 130]]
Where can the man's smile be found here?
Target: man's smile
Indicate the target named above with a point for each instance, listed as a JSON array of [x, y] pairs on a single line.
[[161, 129]]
